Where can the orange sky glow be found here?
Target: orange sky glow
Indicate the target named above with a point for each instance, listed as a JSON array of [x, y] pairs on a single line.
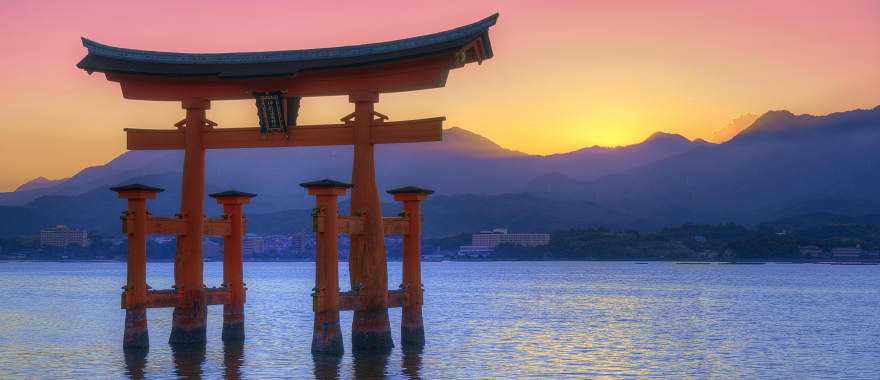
[[564, 76]]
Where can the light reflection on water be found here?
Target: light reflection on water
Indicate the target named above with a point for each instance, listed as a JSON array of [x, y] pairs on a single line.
[[519, 319]]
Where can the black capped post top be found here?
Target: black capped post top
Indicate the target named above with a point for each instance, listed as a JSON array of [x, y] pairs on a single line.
[[326, 183], [410, 190], [232, 193], [136, 187]]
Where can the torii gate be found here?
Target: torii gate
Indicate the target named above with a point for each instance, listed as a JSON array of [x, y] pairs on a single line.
[[277, 80]]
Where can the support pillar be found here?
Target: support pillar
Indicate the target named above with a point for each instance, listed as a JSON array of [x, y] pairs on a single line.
[[412, 330], [135, 295], [189, 320], [368, 263], [326, 333], [233, 272]]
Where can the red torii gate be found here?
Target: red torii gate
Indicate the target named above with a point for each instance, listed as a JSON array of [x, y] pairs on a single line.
[[278, 80]]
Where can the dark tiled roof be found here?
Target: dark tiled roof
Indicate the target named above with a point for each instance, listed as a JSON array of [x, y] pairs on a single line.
[[410, 189], [232, 193], [105, 58], [325, 183], [136, 187]]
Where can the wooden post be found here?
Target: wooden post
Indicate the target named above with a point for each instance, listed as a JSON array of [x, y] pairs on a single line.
[[135, 295], [233, 272], [368, 263], [326, 333], [188, 323], [412, 330]]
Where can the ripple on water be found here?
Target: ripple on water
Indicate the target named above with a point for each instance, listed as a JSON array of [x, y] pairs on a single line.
[[513, 319]]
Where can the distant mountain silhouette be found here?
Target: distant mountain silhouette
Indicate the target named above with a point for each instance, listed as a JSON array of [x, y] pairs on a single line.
[[814, 221], [447, 215], [39, 183], [464, 162], [466, 143], [781, 165], [733, 128], [554, 184]]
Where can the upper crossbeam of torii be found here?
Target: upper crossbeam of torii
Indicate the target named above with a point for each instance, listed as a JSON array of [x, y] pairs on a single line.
[[277, 81]]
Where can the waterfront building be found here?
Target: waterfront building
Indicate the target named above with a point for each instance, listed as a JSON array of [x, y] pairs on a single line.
[[279, 244], [284, 245], [212, 248], [811, 251], [475, 251], [62, 236], [708, 254], [298, 244], [500, 236], [847, 252], [253, 245], [484, 243]]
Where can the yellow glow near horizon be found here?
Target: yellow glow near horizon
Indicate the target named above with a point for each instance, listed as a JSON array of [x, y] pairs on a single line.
[[564, 77]]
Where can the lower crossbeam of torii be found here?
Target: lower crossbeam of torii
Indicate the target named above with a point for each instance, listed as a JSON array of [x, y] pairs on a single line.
[[277, 80]]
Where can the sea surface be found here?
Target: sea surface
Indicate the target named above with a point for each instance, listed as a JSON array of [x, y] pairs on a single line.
[[482, 320]]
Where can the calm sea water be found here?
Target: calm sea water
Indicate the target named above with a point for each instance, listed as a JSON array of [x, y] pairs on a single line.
[[498, 320]]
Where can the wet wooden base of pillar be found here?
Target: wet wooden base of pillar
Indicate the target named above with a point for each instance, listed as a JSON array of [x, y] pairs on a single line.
[[189, 323], [412, 330], [135, 335], [371, 331], [326, 334], [233, 323]]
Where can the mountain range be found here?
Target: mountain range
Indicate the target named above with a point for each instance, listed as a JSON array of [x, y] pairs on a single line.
[[781, 165]]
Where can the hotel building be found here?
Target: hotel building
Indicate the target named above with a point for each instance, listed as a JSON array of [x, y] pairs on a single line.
[[61, 236]]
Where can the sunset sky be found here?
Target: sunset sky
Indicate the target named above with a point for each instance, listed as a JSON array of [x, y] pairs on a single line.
[[564, 76]]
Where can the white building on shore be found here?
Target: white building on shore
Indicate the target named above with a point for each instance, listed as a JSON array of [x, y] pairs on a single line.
[[485, 242], [500, 236], [62, 236], [848, 252]]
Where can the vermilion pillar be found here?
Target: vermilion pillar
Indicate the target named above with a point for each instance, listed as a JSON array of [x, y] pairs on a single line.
[[233, 272], [412, 330], [188, 323], [326, 334], [135, 295], [368, 264]]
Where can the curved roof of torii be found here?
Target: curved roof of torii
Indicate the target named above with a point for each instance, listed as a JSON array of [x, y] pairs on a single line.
[[110, 59]]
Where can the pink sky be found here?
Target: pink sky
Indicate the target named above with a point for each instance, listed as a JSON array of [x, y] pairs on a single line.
[[565, 76]]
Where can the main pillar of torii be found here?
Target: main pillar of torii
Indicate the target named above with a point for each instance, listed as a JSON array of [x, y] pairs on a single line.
[[278, 80], [367, 260]]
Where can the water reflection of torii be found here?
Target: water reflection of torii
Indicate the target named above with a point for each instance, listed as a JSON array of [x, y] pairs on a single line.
[[189, 363], [278, 80]]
